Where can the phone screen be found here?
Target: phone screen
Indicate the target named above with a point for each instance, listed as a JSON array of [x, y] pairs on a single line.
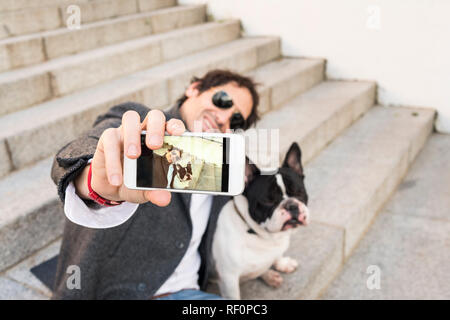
[[185, 162]]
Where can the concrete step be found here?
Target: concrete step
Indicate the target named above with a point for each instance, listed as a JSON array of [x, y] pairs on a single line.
[[28, 223], [99, 10], [320, 114], [25, 17], [283, 79], [31, 49], [12, 290], [25, 87], [14, 23], [19, 231], [409, 241], [52, 124], [348, 182], [20, 283], [14, 5]]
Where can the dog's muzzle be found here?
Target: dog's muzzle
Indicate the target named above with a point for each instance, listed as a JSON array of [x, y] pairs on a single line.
[[297, 217]]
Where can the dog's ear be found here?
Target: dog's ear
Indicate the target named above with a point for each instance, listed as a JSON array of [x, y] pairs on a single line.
[[251, 171], [293, 159]]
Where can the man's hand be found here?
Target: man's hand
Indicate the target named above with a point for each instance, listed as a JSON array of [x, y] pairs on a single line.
[[107, 164]]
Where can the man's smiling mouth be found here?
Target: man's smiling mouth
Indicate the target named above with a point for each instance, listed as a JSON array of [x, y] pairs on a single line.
[[209, 124]]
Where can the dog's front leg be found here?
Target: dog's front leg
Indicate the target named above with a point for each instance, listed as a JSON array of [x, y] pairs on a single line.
[[272, 278], [285, 264], [229, 287]]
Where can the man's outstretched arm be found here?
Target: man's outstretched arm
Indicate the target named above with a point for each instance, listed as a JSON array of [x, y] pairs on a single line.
[[71, 159], [115, 133]]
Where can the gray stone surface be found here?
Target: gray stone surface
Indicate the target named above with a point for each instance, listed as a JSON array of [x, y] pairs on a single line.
[[100, 10], [20, 51], [52, 124], [12, 290], [285, 78], [22, 274], [410, 239], [90, 68], [318, 250], [12, 5], [95, 35], [29, 49], [142, 5], [176, 17], [19, 92], [5, 161], [361, 169], [24, 87], [193, 39], [240, 56], [147, 5], [320, 114], [412, 254], [5, 63], [28, 223], [18, 22], [425, 191]]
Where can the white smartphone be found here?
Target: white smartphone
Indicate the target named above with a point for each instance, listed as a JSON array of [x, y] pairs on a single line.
[[208, 163]]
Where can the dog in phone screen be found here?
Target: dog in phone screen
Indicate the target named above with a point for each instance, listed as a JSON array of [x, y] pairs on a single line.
[[254, 229]]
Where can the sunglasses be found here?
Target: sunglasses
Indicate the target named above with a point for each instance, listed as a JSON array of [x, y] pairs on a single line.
[[222, 100]]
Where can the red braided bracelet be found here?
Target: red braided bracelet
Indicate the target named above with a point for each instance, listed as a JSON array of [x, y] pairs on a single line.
[[95, 196]]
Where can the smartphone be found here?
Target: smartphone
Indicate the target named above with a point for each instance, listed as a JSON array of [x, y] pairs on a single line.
[[208, 163]]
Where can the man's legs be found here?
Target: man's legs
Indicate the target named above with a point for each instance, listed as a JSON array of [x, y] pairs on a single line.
[[191, 294]]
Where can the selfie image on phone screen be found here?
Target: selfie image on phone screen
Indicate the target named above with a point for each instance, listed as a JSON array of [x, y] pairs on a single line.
[[185, 162]]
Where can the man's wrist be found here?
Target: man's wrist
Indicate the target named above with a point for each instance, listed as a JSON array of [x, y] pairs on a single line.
[[81, 184]]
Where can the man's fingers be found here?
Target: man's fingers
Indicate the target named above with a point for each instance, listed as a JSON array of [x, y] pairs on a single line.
[[112, 152], [175, 127], [156, 126], [159, 197], [131, 133], [133, 196]]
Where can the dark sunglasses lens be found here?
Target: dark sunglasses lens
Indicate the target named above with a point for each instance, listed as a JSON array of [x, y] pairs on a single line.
[[237, 121], [222, 100]]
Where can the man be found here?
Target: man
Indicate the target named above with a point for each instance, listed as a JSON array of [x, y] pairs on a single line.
[[154, 244]]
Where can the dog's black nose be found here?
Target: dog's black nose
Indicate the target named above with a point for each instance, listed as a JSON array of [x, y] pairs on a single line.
[[292, 207]]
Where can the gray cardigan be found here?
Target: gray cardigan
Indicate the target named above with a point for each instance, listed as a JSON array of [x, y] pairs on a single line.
[[132, 260]]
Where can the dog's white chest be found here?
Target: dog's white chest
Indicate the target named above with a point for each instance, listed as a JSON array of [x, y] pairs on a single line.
[[245, 254]]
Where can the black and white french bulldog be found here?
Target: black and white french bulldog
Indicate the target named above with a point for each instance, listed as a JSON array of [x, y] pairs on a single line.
[[254, 229]]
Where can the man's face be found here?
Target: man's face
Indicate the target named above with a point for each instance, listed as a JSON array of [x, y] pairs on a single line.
[[173, 156], [200, 113]]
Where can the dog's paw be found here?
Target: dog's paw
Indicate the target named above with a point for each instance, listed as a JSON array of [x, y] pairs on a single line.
[[286, 265], [272, 278]]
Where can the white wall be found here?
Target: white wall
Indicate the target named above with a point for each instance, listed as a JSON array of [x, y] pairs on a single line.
[[404, 45]]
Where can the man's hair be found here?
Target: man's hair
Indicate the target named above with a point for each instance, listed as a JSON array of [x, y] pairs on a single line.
[[220, 77]]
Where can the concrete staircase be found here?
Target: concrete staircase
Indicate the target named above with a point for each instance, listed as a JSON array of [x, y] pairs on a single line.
[[408, 245], [55, 82]]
